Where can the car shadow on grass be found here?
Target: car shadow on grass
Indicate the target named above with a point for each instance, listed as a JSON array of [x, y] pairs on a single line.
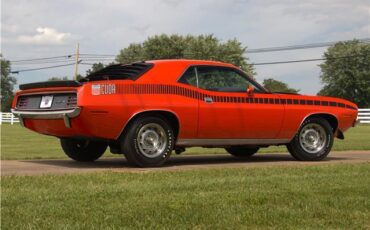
[[180, 161]]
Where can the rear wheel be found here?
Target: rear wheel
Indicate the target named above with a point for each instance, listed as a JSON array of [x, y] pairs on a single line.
[[148, 142], [242, 151], [83, 150], [313, 141]]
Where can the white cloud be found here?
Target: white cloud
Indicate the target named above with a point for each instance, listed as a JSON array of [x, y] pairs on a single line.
[[45, 36], [106, 26]]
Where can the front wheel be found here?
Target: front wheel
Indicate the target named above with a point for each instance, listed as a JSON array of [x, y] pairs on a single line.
[[83, 150], [148, 142], [242, 151], [313, 141]]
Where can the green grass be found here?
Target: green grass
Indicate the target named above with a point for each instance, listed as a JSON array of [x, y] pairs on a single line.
[[21, 143], [312, 197]]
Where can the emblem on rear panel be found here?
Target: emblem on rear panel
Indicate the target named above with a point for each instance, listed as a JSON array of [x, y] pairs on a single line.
[[95, 89], [103, 89]]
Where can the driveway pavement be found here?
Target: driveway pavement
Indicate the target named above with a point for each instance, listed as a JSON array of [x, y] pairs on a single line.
[[182, 162]]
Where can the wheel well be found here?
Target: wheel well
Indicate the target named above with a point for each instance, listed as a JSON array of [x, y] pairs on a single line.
[[166, 115], [333, 121]]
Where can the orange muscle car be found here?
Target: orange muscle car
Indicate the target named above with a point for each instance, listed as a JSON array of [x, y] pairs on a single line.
[[145, 110]]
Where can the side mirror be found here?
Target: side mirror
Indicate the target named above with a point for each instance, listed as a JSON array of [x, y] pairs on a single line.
[[250, 90]]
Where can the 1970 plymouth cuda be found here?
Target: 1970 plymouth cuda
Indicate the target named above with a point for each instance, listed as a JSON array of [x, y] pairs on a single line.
[[145, 110]]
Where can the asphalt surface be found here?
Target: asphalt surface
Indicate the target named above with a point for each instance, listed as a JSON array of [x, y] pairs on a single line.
[[182, 162]]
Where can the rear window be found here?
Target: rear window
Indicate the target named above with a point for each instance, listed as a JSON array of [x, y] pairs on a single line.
[[120, 71]]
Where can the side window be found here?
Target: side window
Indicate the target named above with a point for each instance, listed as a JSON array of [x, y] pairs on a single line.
[[189, 77], [221, 79]]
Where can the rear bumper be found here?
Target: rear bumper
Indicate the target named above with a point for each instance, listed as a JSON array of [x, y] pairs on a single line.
[[66, 115]]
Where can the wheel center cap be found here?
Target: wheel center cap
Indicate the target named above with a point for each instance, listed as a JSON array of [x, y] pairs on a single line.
[[151, 139]]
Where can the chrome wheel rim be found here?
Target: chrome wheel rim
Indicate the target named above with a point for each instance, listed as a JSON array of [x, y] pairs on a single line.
[[152, 140], [312, 138]]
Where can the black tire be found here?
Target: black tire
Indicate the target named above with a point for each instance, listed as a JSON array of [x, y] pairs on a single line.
[[142, 151], [83, 150], [242, 151], [298, 148]]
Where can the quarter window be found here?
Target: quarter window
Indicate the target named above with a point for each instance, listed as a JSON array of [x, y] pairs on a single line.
[[189, 77]]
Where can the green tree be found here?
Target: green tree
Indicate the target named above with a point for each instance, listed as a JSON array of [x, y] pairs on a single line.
[[203, 47], [7, 85], [133, 53], [164, 47], [95, 67], [346, 72], [278, 86]]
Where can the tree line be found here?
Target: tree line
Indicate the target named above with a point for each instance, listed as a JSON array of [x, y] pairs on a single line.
[[345, 73]]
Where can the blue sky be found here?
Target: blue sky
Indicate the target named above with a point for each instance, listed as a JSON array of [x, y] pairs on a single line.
[[43, 28]]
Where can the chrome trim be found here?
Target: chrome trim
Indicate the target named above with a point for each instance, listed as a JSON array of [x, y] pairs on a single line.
[[312, 138], [45, 93], [225, 142], [152, 140], [196, 75], [60, 114]]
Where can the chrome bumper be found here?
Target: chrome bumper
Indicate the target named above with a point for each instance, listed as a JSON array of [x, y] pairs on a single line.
[[66, 115]]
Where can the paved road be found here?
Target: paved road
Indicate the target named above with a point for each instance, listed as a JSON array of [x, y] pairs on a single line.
[[39, 167]]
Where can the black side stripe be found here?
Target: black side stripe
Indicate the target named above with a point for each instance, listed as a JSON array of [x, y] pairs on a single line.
[[190, 93]]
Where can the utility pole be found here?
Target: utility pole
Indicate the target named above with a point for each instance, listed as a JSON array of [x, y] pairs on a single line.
[[77, 60]]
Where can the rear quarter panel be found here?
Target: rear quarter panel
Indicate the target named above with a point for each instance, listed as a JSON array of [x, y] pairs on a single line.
[[109, 114], [105, 116]]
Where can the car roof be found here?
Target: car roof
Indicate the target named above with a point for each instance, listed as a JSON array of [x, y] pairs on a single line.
[[191, 62], [170, 70]]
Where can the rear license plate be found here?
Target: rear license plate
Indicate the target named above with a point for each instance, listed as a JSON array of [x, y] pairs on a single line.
[[46, 102]]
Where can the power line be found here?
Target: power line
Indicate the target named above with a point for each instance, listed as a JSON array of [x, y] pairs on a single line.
[[61, 61], [47, 67], [87, 63], [306, 60], [106, 57], [98, 59], [285, 62], [257, 50], [99, 55], [48, 61], [45, 58], [43, 62], [259, 63], [296, 47], [61, 58]]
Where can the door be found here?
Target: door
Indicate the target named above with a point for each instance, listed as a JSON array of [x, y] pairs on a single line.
[[226, 111]]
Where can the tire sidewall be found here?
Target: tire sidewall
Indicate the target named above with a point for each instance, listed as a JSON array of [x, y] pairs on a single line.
[[131, 144], [300, 153], [93, 150]]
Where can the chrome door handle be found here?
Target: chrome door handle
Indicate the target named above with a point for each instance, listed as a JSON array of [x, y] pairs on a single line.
[[208, 100]]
